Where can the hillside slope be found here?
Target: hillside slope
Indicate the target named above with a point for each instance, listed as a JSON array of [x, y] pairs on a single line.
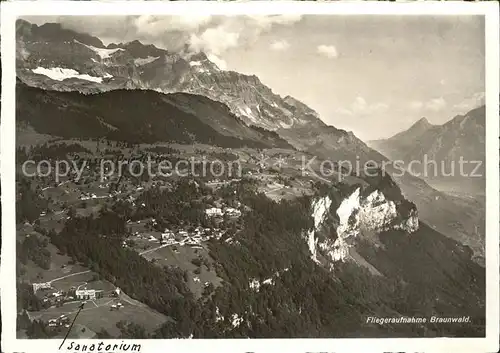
[[138, 116]]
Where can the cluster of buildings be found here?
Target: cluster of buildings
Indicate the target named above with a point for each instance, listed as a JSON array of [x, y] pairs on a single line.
[[116, 306], [89, 196], [55, 298], [219, 212], [194, 238], [60, 321]]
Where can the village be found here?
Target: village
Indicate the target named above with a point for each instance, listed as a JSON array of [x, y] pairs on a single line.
[[181, 245]]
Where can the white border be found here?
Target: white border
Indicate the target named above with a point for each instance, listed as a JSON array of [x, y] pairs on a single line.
[[11, 10]]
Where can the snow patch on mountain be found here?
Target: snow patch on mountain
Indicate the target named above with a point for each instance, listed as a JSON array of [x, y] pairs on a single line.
[[195, 63], [246, 111], [102, 52], [144, 61], [60, 74]]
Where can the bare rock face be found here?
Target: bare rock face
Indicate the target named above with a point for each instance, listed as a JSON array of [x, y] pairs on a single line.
[[359, 215], [374, 213], [320, 209]]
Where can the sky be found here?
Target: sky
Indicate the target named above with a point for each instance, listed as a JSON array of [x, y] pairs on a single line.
[[373, 75]]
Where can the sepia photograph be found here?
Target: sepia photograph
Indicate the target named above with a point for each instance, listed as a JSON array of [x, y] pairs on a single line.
[[291, 173]]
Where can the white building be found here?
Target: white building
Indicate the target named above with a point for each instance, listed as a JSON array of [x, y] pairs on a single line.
[[88, 294], [37, 286], [214, 211]]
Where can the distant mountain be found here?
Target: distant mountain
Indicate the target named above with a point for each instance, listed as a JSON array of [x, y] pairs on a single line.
[[463, 137], [414, 132]]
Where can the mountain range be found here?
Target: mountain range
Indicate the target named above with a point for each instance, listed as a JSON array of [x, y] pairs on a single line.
[[404, 235], [54, 58], [462, 137]]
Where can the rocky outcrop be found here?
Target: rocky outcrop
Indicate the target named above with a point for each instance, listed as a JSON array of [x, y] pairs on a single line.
[[320, 209], [374, 214], [359, 215]]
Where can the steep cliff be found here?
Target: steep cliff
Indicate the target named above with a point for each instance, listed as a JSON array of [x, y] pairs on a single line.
[[350, 214]]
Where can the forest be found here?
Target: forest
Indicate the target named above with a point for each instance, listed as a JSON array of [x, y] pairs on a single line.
[[135, 117], [297, 297]]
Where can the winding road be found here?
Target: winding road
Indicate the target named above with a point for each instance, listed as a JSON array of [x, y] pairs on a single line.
[[70, 275]]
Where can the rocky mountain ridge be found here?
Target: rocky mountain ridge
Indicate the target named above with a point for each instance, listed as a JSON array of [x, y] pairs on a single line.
[[45, 54]]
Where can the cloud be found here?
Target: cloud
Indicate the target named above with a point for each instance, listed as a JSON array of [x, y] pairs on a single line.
[[434, 104], [227, 32], [266, 22], [211, 33], [214, 40], [416, 105], [469, 103], [328, 50], [280, 45], [359, 107], [157, 25]]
